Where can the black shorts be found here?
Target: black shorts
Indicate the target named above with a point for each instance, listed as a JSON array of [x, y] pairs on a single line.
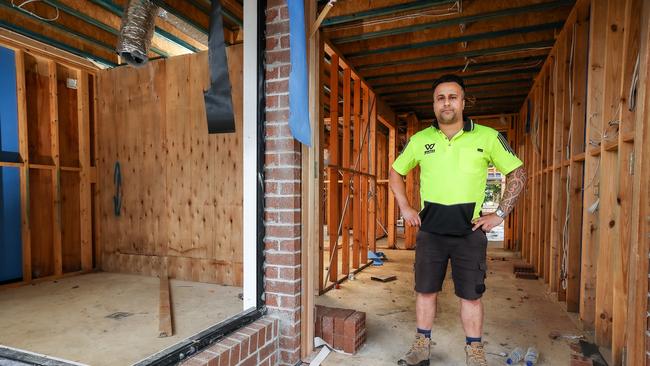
[[468, 263]]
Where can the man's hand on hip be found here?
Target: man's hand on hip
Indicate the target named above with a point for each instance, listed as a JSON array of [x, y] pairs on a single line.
[[411, 217], [487, 222]]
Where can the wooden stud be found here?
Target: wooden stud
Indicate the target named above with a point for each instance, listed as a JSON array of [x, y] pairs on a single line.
[[165, 309], [85, 209], [608, 210], [56, 173], [590, 222], [24, 169], [372, 169], [578, 100], [621, 250], [557, 225], [333, 186], [345, 162], [356, 153], [636, 343], [392, 150]]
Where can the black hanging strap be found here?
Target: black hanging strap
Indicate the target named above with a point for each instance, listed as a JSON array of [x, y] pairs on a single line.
[[218, 100]]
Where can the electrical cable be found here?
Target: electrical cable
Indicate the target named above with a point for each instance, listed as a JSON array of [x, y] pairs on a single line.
[[20, 7]]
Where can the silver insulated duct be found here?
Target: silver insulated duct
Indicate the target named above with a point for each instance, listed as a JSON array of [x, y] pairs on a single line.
[[136, 32]]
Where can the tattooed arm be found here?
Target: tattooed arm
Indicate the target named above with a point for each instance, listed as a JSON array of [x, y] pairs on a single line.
[[515, 182], [514, 185]]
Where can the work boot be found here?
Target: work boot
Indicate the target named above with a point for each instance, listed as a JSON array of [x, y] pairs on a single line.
[[475, 354], [419, 353]]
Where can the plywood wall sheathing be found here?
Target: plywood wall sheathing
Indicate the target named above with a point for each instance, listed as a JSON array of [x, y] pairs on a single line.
[[178, 205]]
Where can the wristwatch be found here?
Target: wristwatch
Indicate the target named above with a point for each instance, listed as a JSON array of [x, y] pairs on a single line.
[[499, 212]]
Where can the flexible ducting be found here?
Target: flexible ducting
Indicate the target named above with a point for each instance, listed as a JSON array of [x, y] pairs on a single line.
[[136, 31]]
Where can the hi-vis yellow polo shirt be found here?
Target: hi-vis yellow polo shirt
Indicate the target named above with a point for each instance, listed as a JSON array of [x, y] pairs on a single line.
[[453, 173]]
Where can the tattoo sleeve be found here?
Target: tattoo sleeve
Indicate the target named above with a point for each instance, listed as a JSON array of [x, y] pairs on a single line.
[[515, 182]]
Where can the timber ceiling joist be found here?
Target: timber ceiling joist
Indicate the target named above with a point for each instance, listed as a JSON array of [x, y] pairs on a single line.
[[400, 46], [90, 28]]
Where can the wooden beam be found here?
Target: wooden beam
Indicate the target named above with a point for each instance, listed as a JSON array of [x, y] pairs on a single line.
[[636, 343], [364, 167], [412, 184], [578, 100], [21, 97], [333, 186], [356, 153], [310, 207], [392, 150], [85, 209], [621, 250], [165, 328], [609, 208], [345, 162], [56, 172], [590, 222], [372, 204]]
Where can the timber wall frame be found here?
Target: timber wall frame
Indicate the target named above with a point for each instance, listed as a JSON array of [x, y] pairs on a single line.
[[56, 126], [584, 225], [349, 134]]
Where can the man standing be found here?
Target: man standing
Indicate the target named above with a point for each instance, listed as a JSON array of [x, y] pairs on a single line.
[[453, 155]]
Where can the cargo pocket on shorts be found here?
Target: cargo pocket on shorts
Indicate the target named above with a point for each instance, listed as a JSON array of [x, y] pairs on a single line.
[[480, 281]]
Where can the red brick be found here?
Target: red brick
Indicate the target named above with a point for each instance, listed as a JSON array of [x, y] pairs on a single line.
[[278, 116], [278, 28], [327, 328], [354, 324], [281, 145], [285, 40], [277, 86], [271, 272], [275, 3], [339, 322], [287, 158], [283, 231], [272, 14], [286, 217], [266, 351], [282, 173], [289, 273], [282, 287], [290, 357], [283, 259], [250, 361], [283, 202]]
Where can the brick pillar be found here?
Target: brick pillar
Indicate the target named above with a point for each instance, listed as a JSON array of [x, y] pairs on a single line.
[[282, 170]]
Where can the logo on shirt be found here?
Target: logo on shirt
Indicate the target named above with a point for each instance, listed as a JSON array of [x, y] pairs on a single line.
[[429, 148]]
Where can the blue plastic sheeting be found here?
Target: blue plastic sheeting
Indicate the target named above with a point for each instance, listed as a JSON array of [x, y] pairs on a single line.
[[8, 102], [298, 82], [11, 257]]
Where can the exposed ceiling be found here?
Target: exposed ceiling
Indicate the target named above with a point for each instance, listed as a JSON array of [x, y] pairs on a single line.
[[399, 47], [89, 28]]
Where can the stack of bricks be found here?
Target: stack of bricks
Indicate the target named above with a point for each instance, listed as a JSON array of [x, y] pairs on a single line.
[[342, 329]]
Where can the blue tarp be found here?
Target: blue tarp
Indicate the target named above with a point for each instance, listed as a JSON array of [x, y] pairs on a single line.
[[298, 80]]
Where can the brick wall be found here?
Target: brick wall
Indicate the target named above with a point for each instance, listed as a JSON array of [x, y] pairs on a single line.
[[254, 344], [282, 189]]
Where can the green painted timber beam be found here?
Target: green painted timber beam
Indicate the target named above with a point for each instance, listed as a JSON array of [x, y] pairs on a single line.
[[455, 21], [468, 77], [450, 56], [60, 45], [467, 38], [388, 10], [457, 68], [467, 87]]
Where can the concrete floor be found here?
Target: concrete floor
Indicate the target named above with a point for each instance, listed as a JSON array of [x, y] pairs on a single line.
[[517, 313], [68, 319]]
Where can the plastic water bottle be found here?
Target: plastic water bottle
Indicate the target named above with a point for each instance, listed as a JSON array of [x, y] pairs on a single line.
[[531, 356], [515, 356]]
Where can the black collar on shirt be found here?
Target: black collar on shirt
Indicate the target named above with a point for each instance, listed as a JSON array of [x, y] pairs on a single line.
[[468, 124]]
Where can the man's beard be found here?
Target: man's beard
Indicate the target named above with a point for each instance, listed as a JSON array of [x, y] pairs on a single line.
[[443, 120]]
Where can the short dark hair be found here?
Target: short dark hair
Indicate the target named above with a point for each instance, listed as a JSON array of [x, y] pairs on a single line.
[[449, 78]]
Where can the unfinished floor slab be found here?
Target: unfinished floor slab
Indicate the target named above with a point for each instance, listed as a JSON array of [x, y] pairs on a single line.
[[518, 312], [107, 318]]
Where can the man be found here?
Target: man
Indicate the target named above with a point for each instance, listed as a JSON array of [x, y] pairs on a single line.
[[453, 155]]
